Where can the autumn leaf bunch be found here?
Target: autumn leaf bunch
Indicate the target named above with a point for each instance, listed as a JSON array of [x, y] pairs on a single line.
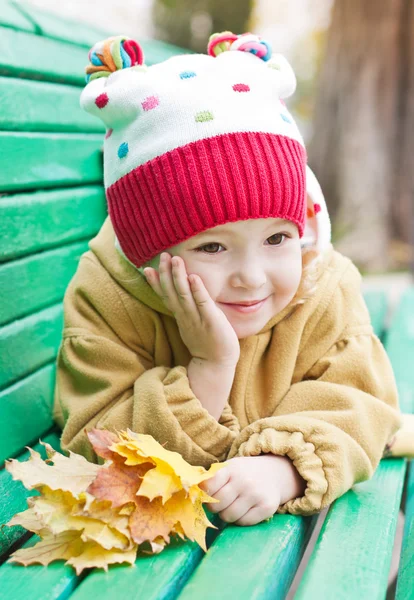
[[95, 515]]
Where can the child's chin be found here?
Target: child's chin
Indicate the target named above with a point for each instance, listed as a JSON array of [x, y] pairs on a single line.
[[247, 329]]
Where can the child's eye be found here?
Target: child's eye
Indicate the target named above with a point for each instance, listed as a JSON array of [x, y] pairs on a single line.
[[276, 239], [211, 248]]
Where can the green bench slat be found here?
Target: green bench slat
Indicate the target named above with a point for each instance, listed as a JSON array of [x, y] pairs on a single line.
[[400, 348], [28, 344], [405, 582], [33, 222], [38, 160], [257, 562], [33, 283], [11, 16], [13, 496], [28, 105], [352, 555], [53, 26], [26, 411], [377, 306], [359, 565], [35, 57], [32, 56]]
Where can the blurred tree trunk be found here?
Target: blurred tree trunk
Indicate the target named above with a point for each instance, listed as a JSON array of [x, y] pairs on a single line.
[[363, 144], [189, 23]]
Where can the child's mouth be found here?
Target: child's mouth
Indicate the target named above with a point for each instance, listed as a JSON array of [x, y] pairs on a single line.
[[243, 308]]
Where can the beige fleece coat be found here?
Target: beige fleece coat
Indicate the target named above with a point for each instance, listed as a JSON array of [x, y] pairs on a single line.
[[314, 384]]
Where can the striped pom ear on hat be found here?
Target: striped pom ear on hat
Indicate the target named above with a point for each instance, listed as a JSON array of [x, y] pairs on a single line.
[[108, 96]]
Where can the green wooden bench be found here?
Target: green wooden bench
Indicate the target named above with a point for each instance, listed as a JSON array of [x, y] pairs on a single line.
[[51, 203]]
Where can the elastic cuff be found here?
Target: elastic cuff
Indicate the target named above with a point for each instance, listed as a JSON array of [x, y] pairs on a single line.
[[304, 458]]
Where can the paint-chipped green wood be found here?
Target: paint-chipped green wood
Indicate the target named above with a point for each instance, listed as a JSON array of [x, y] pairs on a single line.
[[38, 281], [26, 411], [13, 496], [400, 348], [376, 302], [11, 16], [53, 26], [28, 105], [35, 57], [39, 160], [41, 220], [158, 577], [28, 344], [405, 583], [54, 582], [257, 562], [352, 556]]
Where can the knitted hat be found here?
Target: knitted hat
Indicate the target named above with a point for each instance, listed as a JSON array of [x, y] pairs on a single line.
[[195, 141]]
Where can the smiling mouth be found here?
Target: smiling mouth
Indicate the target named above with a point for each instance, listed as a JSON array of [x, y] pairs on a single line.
[[246, 307], [251, 303]]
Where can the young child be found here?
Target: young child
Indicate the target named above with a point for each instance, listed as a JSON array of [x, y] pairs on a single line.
[[211, 310]]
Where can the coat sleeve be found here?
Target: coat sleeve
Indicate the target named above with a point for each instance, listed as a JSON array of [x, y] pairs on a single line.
[[335, 422], [106, 379]]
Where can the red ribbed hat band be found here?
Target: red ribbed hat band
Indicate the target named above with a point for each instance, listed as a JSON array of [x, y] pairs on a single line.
[[217, 180]]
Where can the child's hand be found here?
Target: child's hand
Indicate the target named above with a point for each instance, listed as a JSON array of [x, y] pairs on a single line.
[[251, 488], [204, 328]]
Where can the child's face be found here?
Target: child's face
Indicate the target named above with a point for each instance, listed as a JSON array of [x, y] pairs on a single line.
[[246, 261]]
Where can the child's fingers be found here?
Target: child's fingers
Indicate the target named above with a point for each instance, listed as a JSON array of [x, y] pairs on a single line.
[[169, 294], [202, 298], [220, 479], [182, 286]]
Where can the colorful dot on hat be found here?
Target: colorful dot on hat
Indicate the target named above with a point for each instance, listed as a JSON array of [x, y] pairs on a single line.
[[205, 115], [241, 87], [123, 150], [285, 118], [310, 213], [317, 208], [150, 103], [102, 100], [187, 74], [108, 133]]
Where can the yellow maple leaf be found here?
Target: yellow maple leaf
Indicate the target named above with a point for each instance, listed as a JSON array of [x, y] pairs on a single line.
[[27, 519], [93, 555], [172, 472], [103, 511], [72, 474], [53, 508], [69, 546], [51, 547]]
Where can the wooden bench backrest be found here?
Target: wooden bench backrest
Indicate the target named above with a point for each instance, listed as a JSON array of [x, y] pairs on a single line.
[[52, 202]]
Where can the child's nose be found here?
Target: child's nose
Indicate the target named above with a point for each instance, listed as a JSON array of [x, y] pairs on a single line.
[[249, 278]]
